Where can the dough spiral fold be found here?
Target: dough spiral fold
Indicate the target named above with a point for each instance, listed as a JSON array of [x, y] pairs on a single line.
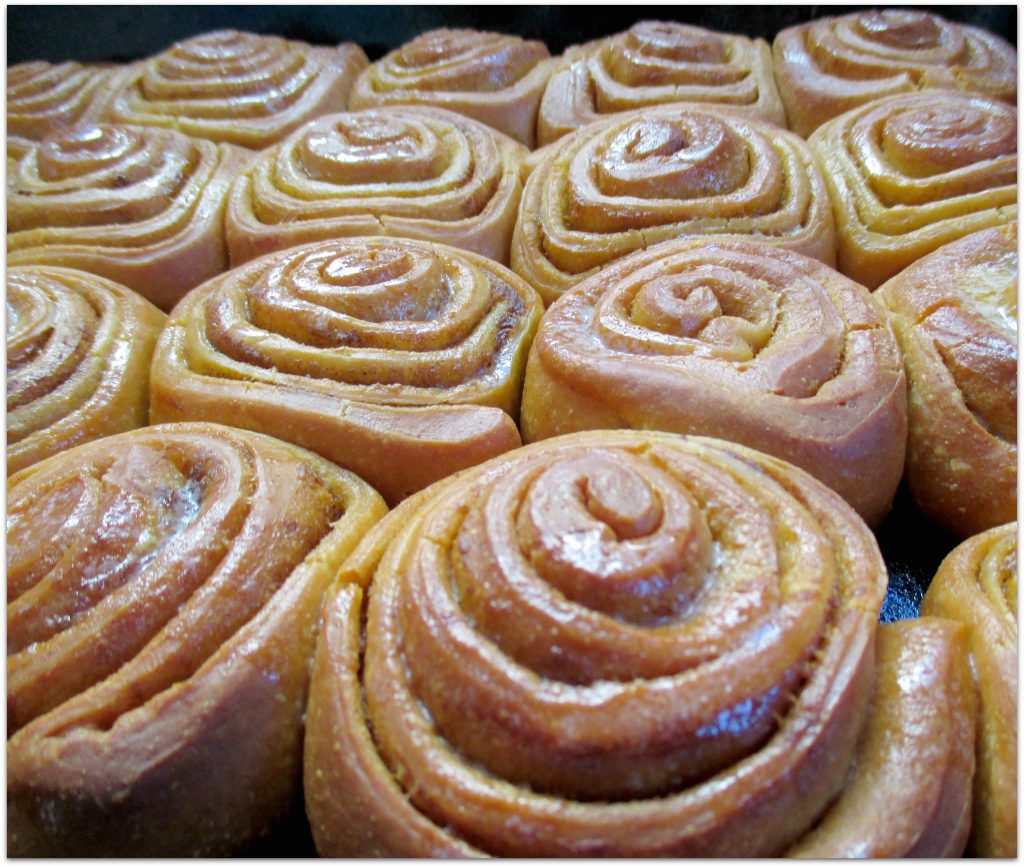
[[495, 78], [656, 62], [635, 179], [398, 359], [910, 173], [616, 643], [408, 172], [736, 340], [78, 354], [141, 206], [163, 591], [236, 87], [831, 65]]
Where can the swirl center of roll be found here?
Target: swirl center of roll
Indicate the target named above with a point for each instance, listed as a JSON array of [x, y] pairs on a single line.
[[901, 28], [675, 42], [83, 150], [371, 148], [686, 158], [941, 138], [714, 304], [617, 536]]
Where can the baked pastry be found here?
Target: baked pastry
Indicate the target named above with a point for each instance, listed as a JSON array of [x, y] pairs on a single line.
[[398, 359], [141, 206], [955, 315], [48, 97], [910, 173], [236, 87], [407, 172], [831, 65], [158, 644], [731, 339], [638, 178], [624, 644], [977, 584], [78, 355], [655, 62], [492, 77]]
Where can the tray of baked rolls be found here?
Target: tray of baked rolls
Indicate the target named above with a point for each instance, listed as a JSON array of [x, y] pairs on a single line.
[[511, 431]]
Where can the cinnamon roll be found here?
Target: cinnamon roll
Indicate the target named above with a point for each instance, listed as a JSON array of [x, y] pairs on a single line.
[[731, 339], [655, 62], [831, 65], [236, 87], [407, 172], [49, 97], [615, 643], [141, 206], [492, 77], [635, 179], [398, 359], [955, 315], [164, 588], [977, 584], [910, 173], [78, 354]]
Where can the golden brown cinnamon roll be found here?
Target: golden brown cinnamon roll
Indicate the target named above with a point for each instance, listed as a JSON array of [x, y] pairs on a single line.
[[50, 97], [614, 643], [407, 172], [398, 359], [731, 339], [241, 88], [164, 588], [908, 174], [493, 77], [955, 315], [655, 62], [831, 65], [635, 179], [78, 354], [141, 206], [977, 584]]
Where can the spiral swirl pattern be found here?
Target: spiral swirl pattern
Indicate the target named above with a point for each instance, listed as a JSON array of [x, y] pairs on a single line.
[[163, 591], [143, 207], [45, 97], [398, 359], [656, 62], [240, 88], [635, 179], [730, 339], [406, 172], [977, 584], [495, 78], [908, 174], [608, 644], [955, 315], [78, 354], [829, 66]]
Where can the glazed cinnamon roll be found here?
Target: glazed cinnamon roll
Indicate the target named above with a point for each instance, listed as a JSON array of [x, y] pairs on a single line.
[[236, 87], [78, 354], [615, 643], [655, 62], [163, 593], [635, 179], [955, 315], [407, 172], [731, 339], [141, 206], [398, 359], [49, 97], [910, 173], [977, 584], [831, 65], [492, 77]]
